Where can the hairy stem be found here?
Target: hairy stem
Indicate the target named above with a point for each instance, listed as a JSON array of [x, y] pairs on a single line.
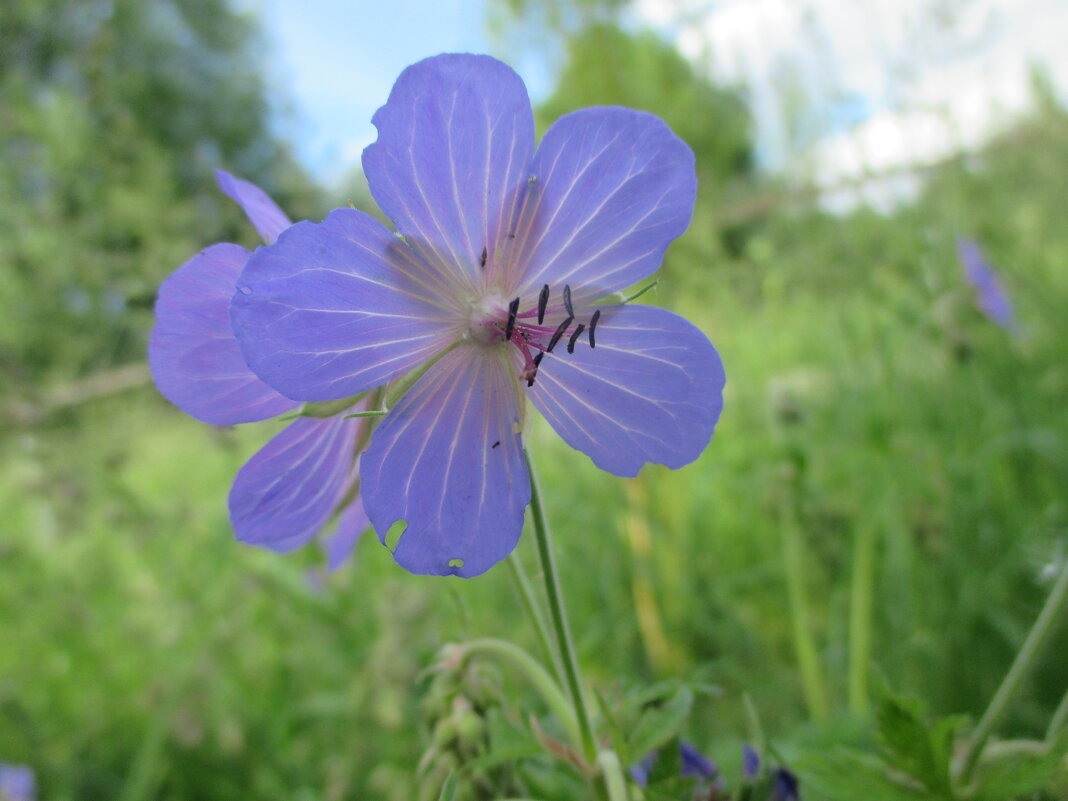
[[538, 676], [558, 614], [1025, 660], [612, 771], [534, 612]]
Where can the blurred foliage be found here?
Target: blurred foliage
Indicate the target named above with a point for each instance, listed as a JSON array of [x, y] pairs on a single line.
[[537, 19], [605, 65], [115, 113]]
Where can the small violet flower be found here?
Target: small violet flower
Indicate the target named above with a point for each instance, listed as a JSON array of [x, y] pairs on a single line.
[[288, 490], [17, 783], [694, 763], [990, 295], [487, 296], [784, 785]]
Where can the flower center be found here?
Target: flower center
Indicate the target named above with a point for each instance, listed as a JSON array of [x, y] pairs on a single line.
[[492, 321]]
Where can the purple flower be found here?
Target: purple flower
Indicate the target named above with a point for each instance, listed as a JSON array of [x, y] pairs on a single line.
[[990, 295], [694, 763], [489, 284], [288, 490], [16, 783], [783, 784]]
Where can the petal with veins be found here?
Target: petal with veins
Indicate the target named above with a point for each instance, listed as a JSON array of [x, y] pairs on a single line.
[[613, 188], [651, 391], [454, 145], [448, 462], [290, 487], [193, 354], [336, 308]]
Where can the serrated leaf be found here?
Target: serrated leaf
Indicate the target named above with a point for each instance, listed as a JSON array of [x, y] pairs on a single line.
[[1007, 772], [658, 724], [914, 747], [847, 775]]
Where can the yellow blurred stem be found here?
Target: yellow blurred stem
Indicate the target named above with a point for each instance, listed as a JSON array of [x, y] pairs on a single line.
[[663, 655]]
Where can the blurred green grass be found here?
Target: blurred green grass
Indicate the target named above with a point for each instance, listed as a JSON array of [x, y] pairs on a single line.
[[147, 655]]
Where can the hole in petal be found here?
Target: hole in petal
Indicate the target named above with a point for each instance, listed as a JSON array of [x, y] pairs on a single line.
[[394, 534], [456, 563]]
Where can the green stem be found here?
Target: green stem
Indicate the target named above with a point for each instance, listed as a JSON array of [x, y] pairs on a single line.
[[807, 654], [1021, 666], [530, 604], [612, 771], [862, 588], [1059, 719], [558, 614], [539, 677]]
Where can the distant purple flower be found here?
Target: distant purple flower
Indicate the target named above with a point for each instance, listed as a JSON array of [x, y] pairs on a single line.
[[750, 762], [694, 763], [490, 285], [783, 784], [294, 484], [990, 295], [16, 783]]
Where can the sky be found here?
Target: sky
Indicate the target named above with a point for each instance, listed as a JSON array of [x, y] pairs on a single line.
[[333, 62], [893, 82]]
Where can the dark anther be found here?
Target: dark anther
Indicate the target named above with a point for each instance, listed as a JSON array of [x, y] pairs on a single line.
[[559, 332], [593, 325], [574, 336], [543, 300], [567, 302], [495, 444], [513, 310], [483, 257], [537, 363]]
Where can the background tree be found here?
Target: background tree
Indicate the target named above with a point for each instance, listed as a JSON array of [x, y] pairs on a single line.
[[114, 116]]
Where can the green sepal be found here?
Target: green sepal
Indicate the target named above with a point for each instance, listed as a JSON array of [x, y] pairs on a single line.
[[330, 408]]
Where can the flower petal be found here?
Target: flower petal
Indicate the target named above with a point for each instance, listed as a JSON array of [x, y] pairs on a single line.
[[262, 212], [454, 145], [651, 391], [448, 461], [351, 525], [335, 308], [613, 188], [289, 488], [194, 357]]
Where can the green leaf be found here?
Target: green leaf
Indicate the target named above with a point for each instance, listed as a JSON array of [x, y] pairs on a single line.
[[659, 723], [1021, 768], [914, 747], [848, 775], [668, 765], [448, 789]]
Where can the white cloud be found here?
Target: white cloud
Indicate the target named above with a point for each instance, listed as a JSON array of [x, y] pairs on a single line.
[[890, 82]]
